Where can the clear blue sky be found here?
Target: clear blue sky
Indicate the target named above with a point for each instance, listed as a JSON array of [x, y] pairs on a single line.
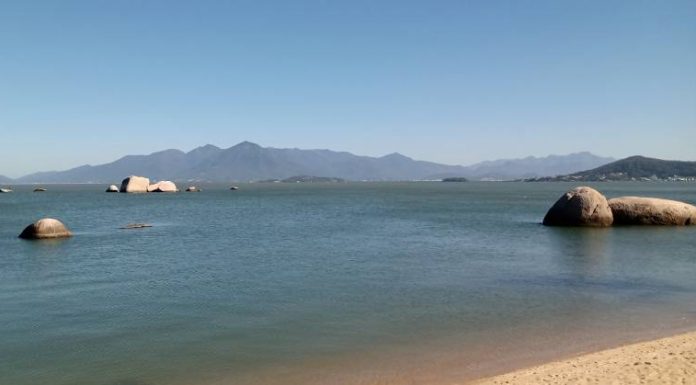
[[449, 81]]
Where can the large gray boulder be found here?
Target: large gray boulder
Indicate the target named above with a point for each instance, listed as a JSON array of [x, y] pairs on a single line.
[[46, 228], [135, 184], [651, 211], [581, 206], [163, 186]]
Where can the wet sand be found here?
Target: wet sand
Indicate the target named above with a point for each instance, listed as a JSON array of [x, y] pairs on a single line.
[[670, 360], [522, 359]]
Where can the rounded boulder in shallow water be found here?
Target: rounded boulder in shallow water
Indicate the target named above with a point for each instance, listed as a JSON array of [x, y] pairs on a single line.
[[581, 206], [46, 228], [135, 184], [112, 188], [652, 211], [163, 186]]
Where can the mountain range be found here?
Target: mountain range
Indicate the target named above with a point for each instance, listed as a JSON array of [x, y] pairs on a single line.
[[530, 167], [633, 168], [248, 161]]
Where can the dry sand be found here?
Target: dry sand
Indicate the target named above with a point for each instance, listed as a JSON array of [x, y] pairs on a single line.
[[670, 360]]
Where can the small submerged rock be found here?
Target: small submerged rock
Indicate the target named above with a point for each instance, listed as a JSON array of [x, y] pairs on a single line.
[[39, 189], [112, 188], [46, 228], [135, 226], [193, 189], [234, 188], [581, 206]]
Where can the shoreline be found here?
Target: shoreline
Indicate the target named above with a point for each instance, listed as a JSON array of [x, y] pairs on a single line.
[[525, 362], [667, 360]]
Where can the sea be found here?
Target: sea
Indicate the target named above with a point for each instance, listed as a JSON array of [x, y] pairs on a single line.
[[338, 283]]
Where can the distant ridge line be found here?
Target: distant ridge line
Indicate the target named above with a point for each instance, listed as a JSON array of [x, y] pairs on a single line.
[[635, 167], [247, 161]]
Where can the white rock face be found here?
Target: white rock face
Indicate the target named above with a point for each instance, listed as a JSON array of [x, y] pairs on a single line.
[[112, 188], [651, 211], [135, 184], [163, 186]]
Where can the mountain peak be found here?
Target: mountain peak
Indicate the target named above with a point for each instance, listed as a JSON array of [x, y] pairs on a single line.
[[171, 151], [246, 144], [637, 157], [207, 147], [203, 152], [396, 156]]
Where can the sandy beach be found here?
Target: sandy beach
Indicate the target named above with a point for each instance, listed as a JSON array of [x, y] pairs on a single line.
[[670, 360]]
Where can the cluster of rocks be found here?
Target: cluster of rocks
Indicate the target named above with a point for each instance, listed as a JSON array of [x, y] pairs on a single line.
[[49, 228], [581, 206], [139, 184], [585, 206]]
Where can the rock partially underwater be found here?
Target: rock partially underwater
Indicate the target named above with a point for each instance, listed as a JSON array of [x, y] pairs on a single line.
[[652, 211], [581, 206], [46, 228], [135, 184], [585, 206], [163, 186]]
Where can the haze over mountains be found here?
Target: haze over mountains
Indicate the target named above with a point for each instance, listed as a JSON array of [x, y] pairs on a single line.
[[248, 161], [529, 167]]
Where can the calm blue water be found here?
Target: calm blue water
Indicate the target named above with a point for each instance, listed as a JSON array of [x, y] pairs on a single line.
[[325, 283]]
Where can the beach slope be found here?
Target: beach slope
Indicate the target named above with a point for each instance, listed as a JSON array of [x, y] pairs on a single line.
[[670, 360]]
